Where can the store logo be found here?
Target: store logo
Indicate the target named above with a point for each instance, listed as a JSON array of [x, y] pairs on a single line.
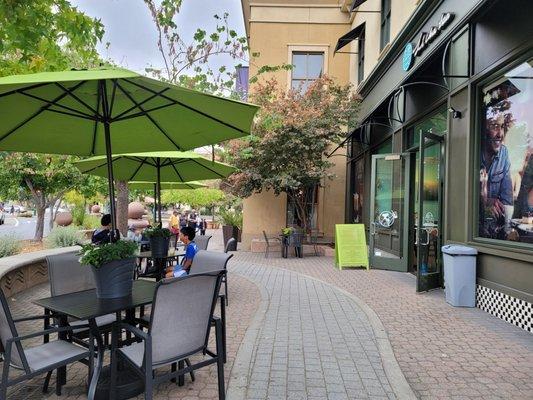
[[411, 52]]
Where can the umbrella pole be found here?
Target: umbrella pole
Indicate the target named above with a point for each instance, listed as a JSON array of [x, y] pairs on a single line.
[[109, 157], [158, 186], [155, 203]]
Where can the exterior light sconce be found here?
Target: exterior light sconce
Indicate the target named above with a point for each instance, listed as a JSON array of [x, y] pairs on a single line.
[[455, 114]]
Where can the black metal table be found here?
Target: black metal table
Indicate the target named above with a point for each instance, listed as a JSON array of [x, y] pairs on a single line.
[[86, 306], [160, 262]]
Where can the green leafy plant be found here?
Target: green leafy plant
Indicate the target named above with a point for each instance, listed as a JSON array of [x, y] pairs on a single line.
[[9, 245], [286, 231], [230, 217], [91, 222], [78, 214], [156, 231], [64, 236], [98, 255]]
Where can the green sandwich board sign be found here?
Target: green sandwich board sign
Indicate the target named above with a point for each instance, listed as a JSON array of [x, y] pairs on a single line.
[[350, 246]]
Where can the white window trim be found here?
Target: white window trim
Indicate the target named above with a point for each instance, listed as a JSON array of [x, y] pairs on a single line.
[[291, 48]]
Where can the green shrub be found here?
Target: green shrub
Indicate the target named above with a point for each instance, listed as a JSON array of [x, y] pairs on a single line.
[[230, 217], [156, 231], [91, 222], [78, 214], [64, 236], [97, 255], [9, 245]]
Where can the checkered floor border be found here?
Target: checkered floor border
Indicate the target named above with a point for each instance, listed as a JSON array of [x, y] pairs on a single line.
[[515, 311]]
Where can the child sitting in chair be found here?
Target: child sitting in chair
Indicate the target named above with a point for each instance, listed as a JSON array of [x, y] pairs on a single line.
[[187, 237]]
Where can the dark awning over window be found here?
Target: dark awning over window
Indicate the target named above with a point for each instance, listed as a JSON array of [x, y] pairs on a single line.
[[349, 37], [355, 4]]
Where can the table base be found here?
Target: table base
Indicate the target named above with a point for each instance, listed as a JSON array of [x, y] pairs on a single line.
[[129, 383]]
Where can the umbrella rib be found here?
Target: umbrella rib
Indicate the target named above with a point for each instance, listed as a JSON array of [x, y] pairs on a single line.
[[71, 93], [149, 117], [37, 113], [144, 113], [119, 117], [113, 98], [189, 107], [177, 173], [95, 129], [91, 118], [206, 167], [101, 165], [14, 91], [141, 159], [137, 170], [81, 114]]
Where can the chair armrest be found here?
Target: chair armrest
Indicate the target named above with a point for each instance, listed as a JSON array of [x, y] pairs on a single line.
[[133, 329], [32, 318], [47, 332]]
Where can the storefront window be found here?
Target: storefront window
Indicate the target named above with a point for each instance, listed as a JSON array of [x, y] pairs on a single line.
[[506, 157], [358, 190]]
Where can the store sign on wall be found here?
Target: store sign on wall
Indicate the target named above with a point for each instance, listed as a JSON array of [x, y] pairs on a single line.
[[411, 52]]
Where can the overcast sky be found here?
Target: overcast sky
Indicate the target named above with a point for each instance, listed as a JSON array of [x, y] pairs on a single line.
[[132, 34]]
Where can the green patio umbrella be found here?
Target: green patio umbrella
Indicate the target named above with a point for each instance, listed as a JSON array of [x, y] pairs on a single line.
[[161, 166], [112, 110], [165, 185]]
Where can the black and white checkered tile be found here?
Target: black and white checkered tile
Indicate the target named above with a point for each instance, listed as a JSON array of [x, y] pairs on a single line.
[[515, 311]]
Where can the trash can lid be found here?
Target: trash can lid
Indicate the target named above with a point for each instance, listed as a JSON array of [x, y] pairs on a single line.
[[459, 250]]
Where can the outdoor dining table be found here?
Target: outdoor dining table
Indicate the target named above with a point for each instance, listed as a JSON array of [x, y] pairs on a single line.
[[160, 262], [86, 306]]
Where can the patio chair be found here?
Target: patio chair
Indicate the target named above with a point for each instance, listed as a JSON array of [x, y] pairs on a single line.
[[231, 245], [174, 332], [202, 241], [36, 360], [269, 244], [295, 240], [313, 236]]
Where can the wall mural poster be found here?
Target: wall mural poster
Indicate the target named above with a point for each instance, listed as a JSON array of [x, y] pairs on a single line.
[[506, 157]]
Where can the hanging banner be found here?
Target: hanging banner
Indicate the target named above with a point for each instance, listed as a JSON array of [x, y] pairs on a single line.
[[350, 246]]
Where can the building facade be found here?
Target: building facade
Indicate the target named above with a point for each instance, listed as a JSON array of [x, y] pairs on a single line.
[[444, 151]]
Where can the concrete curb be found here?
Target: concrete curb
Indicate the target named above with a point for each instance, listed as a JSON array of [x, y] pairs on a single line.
[[239, 375]]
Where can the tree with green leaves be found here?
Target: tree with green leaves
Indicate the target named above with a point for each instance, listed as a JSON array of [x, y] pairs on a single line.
[[46, 35], [196, 198], [44, 178], [293, 133], [188, 63]]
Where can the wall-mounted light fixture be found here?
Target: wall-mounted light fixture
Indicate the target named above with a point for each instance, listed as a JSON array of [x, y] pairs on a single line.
[[455, 114]]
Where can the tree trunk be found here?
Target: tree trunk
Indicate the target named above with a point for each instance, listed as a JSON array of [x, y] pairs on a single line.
[[53, 212], [121, 188], [39, 229]]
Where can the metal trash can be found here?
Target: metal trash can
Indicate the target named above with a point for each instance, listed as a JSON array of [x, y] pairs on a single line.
[[460, 275]]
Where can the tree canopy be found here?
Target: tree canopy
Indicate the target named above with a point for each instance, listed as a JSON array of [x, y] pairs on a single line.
[[292, 135], [196, 198]]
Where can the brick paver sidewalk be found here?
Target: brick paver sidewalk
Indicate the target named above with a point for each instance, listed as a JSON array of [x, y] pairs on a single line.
[[444, 352]]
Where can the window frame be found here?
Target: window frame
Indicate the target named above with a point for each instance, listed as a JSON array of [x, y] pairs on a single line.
[[361, 56], [385, 21], [308, 48], [475, 154]]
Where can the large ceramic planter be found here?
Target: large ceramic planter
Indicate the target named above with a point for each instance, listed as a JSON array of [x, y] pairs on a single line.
[[114, 279], [159, 246], [229, 231]]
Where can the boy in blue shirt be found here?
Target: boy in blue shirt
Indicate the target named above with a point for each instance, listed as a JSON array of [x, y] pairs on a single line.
[[187, 235]]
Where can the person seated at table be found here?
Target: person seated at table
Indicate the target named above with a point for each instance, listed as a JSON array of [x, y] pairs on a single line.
[[187, 235], [102, 235]]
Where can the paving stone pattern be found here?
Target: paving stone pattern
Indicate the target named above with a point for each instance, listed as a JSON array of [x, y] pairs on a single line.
[[314, 342], [244, 299], [443, 351]]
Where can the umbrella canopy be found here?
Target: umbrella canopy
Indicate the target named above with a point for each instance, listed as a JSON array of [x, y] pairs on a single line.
[[112, 110], [162, 166], [67, 113], [165, 185]]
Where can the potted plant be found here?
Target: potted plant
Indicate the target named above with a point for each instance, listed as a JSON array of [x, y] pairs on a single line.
[[112, 265], [231, 224], [159, 240]]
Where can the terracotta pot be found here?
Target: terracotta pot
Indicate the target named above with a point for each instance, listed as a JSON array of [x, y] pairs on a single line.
[[136, 210], [95, 209], [138, 223], [63, 218]]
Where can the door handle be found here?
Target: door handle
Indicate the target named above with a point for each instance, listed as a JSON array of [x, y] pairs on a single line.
[[427, 236], [372, 228]]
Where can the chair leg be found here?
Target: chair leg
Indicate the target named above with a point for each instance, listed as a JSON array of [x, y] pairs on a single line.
[[220, 361], [223, 329], [266, 251], [47, 381], [5, 376], [188, 362], [173, 369], [148, 385], [226, 289], [181, 378]]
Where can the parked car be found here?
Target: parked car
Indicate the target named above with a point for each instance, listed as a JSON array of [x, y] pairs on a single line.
[[2, 217]]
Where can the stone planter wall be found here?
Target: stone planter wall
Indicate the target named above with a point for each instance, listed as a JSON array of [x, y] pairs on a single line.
[[23, 271]]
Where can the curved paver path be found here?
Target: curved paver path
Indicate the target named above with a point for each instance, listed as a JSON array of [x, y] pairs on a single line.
[[310, 340]]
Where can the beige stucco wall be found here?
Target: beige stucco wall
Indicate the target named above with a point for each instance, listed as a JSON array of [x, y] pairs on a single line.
[[275, 29]]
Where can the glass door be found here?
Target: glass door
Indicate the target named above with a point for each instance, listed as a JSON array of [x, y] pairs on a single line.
[[389, 208], [428, 211]]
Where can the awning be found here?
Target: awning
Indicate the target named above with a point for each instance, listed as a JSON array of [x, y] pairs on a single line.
[[355, 4], [349, 37]]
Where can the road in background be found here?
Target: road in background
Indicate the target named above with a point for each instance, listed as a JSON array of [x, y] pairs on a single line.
[[23, 228]]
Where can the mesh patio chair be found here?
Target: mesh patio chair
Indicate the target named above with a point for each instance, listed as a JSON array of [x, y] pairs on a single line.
[[270, 242], [182, 311], [37, 360], [231, 245], [202, 241]]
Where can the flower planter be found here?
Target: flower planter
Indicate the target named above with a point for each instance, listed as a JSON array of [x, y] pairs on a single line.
[[229, 231], [114, 279], [159, 246]]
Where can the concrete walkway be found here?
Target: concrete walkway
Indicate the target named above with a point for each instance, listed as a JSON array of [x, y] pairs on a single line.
[[311, 341]]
